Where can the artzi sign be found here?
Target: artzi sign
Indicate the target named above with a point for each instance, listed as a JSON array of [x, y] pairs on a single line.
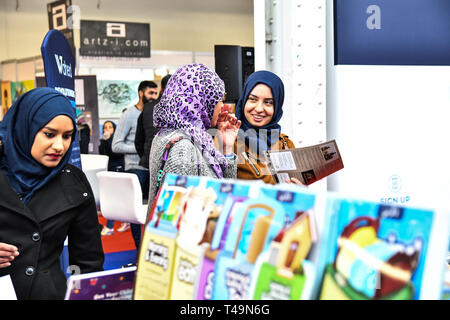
[[114, 39]]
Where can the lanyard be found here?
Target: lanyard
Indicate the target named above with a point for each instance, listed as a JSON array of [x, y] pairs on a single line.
[[164, 160]]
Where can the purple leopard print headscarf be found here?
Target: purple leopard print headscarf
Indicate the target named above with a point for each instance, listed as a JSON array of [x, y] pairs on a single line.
[[188, 104]]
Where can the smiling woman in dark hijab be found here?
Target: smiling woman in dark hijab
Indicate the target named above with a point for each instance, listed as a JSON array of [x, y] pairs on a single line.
[[44, 199], [260, 108]]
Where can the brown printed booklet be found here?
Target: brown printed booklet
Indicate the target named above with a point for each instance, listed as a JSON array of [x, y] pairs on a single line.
[[308, 164]]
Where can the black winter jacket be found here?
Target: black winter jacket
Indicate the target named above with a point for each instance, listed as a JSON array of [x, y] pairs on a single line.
[[116, 160], [65, 206], [84, 133], [145, 132]]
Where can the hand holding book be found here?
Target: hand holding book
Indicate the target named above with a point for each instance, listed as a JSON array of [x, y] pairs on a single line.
[[304, 165]]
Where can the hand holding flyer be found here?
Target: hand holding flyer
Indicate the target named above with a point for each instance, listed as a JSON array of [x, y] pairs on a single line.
[[308, 164]]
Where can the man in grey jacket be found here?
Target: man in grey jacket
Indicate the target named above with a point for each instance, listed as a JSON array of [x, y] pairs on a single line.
[[123, 142], [145, 130]]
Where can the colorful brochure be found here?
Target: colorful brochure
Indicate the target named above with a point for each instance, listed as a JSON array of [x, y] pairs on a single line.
[[308, 164], [211, 239], [156, 258], [254, 226], [374, 251], [230, 194], [446, 286], [283, 273], [197, 206], [114, 284]]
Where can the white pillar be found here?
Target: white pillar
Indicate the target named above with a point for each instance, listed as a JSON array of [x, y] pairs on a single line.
[[259, 33], [294, 47]]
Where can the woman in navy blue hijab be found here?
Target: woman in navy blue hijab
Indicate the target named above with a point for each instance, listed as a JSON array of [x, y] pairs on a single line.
[[260, 108], [43, 199], [18, 130]]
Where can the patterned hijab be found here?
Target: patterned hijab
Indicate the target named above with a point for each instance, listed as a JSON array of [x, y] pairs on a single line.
[[262, 141], [31, 112], [188, 104]]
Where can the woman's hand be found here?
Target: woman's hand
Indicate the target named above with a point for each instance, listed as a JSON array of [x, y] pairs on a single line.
[[294, 180], [7, 254], [228, 126]]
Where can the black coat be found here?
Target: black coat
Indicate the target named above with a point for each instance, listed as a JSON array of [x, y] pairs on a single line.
[[84, 133], [65, 206], [116, 160], [145, 132]]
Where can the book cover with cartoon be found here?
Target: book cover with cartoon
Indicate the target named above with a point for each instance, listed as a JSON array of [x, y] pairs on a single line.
[[255, 225], [156, 257], [374, 251], [230, 194], [283, 273], [197, 206]]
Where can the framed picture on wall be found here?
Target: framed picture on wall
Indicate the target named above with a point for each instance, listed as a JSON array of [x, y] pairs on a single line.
[[116, 95]]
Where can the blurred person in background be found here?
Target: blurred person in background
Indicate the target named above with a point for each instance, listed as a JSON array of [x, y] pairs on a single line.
[[84, 132], [123, 142], [115, 163], [145, 130]]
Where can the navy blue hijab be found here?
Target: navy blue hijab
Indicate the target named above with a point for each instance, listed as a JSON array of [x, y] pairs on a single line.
[[253, 137], [114, 126], [31, 112]]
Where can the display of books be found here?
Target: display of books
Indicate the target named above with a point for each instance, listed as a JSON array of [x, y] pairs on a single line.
[[234, 239], [211, 239]]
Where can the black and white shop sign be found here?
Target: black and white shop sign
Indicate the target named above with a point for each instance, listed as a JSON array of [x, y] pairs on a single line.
[[114, 39], [61, 17]]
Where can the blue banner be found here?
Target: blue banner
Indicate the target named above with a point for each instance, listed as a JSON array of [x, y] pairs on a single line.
[[392, 32], [59, 65]]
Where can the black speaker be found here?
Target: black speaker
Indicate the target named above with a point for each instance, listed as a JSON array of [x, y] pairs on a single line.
[[234, 64], [248, 62]]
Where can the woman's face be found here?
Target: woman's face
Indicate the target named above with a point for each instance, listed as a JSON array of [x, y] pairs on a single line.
[[259, 108], [52, 141], [108, 127], [217, 110], [216, 113]]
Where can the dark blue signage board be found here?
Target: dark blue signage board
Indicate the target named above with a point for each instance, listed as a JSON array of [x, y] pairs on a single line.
[[392, 32], [59, 66]]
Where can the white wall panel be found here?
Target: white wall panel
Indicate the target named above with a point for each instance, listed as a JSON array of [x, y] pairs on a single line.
[[393, 133], [176, 25], [9, 71], [391, 124], [26, 70], [296, 51]]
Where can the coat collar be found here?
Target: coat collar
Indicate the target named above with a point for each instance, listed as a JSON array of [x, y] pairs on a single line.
[[58, 195], [10, 199]]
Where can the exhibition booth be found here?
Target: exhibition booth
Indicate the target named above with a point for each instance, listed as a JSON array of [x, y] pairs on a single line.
[[364, 76]]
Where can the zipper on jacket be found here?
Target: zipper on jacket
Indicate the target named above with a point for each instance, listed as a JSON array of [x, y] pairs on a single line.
[[244, 154], [284, 143]]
